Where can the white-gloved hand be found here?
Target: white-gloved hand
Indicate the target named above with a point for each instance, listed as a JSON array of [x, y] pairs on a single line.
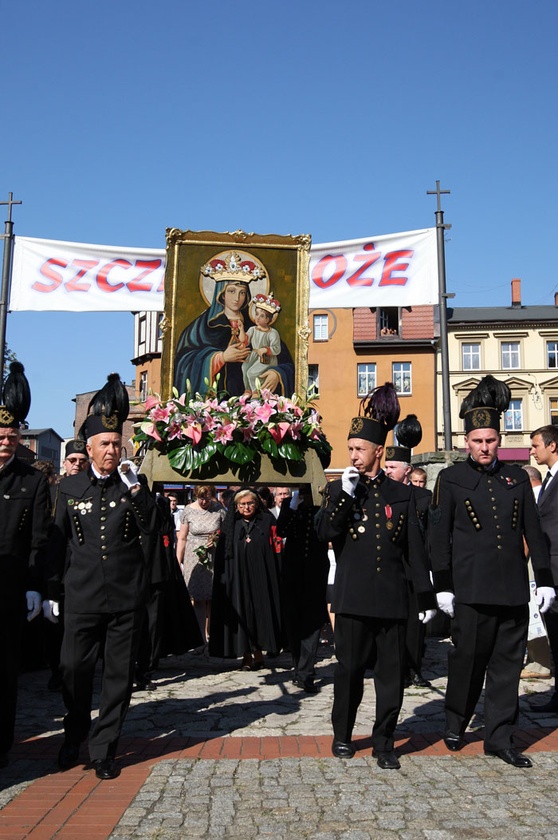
[[427, 616], [446, 601], [51, 611], [34, 601], [128, 473], [296, 501], [349, 480], [545, 597]]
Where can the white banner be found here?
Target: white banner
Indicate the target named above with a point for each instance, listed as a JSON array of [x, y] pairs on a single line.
[[398, 269], [73, 277]]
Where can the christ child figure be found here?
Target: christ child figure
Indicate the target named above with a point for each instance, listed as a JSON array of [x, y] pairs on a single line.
[[264, 341]]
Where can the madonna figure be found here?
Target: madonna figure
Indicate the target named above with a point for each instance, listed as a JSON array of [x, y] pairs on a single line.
[[216, 343]]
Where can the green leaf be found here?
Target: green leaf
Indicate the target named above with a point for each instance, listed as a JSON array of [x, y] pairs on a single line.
[[290, 452]]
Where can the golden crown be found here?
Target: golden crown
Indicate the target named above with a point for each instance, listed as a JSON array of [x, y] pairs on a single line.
[[268, 303], [233, 268]]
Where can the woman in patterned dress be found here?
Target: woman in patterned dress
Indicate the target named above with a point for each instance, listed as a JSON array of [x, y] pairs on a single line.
[[195, 549]]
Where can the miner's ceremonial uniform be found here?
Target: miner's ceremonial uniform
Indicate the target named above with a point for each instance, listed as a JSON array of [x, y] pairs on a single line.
[[477, 524], [374, 535], [481, 511], [24, 518]]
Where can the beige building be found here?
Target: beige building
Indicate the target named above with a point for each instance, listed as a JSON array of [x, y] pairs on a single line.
[[516, 343]]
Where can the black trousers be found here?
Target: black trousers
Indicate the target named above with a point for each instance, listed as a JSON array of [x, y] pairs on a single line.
[[551, 623], [358, 641], [12, 617], [487, 641], [415, 635], [115, 637]]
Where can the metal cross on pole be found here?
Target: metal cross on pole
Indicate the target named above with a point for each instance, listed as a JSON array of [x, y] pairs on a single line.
[[8, 237], [443, 296]]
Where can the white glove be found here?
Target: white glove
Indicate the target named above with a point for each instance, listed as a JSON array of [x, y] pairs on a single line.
[[349, 480], [296, 501], [51, 611], [544, 596], [33, 604], [426, 616], [446, 600], [128, 473]]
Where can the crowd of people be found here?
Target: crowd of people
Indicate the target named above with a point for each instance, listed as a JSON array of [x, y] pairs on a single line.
[[125, 576]]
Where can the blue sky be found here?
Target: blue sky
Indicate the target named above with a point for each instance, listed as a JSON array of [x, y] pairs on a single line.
[[120, 119]]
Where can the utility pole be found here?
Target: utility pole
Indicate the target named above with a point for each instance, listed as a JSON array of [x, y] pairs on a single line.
[[443, 296], [8, 237]]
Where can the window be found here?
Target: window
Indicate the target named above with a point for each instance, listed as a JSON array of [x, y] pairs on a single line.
[[552, 354], [554, 411], [142, 329], [388, 321], [366, 378], [143, 386], [401, 373], [513, 417], [470, 356], [313, 380], [321, 328], [510, 355]]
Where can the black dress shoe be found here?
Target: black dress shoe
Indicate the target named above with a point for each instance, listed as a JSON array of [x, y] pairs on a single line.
[[68, 756], [545, 708], [452, 741], [511, 756], [306, 685], [419, 681], [341, 749], [106, 768], [146, 685], [386, 760]]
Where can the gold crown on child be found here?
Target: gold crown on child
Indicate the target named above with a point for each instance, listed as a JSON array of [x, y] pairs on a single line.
[[267, 302]]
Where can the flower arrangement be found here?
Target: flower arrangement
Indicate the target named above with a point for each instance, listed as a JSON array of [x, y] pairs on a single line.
[[204, 552], [196, 431]]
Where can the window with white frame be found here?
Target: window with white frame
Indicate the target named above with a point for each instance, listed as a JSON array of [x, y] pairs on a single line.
[[552, 354], [401, 374], [513, 417], [321, 327], [471, 355], [143, 386], [366, 378], [313, 380], [554, 411], [510, 355]]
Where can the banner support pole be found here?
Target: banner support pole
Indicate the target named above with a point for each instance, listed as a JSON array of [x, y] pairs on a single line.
[[8, 237]]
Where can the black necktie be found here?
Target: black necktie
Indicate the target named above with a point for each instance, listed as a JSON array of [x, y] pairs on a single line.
[[547, 478]]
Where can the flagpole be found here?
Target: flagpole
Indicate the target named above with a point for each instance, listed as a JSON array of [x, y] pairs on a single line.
[[8, 237]]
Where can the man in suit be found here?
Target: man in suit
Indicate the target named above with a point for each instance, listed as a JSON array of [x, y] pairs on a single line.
[[371, 521], [482, 510], [107, 526], [544, 449], [24, 518], [397, 466]]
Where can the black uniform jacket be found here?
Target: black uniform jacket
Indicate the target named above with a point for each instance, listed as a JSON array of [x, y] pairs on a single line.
[[477, 523], [373, 536], [106, 568], [24, 521], [548, 512]]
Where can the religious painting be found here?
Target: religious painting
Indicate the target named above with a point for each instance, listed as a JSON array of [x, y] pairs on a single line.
[[236, 311]]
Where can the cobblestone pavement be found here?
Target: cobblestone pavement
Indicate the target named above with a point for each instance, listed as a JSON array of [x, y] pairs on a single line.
[[216, 751]]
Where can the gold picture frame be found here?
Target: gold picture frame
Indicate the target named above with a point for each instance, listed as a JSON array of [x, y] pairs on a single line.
[[205, 317]]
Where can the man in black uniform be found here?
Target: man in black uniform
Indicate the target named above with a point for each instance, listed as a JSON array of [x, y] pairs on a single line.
[[482, 509], [107, 526], [397, 466], [371, 521], [24, 519]]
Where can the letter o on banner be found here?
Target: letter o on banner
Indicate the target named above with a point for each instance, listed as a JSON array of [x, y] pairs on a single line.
[[335, 262]]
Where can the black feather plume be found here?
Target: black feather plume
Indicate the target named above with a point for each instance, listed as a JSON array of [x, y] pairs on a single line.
[[408, 433], [16, 392], [111, 399], [489, 393], [382, 405]]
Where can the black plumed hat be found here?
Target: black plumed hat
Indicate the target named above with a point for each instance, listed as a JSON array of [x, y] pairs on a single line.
[[482, 407], [107, 410], [16, 398], [408, 434], [378, 414]]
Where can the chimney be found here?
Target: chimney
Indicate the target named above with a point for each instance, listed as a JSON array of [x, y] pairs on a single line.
[[516, 292]]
